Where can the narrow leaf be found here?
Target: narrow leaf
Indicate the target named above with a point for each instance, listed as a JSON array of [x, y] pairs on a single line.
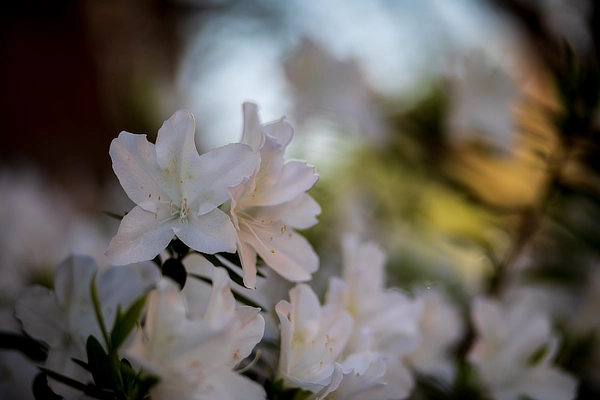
[[41, 390], [241, 298], [125, 323], [31, 348]]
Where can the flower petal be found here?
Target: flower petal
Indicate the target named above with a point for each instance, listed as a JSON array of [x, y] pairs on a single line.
[[295, 178], [252, 134], [289, 254], [208, 233], [221, 168], [301, 212], [38, 310], [248, 258], [281, 130], [134, 162], [227, 385], [142, 235], [221, 306]]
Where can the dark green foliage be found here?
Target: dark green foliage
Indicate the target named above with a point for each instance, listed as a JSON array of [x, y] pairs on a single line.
[[174, 269], [241, 298], [276, 391], [29, 347]]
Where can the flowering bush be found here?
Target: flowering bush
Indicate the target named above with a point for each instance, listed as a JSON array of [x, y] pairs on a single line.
[[137, 331]]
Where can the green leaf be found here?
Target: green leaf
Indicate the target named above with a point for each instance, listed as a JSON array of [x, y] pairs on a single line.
[[98, 312], [113, 215], [41, 390], [179, 247], [277, 391], [218, 263], [234, 258], [81, 363], [125, 323], [174, 269], [106, 374], [89, 389], [31, 348]]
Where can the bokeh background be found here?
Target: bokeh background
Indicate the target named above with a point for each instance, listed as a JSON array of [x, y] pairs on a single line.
[[460, 135]]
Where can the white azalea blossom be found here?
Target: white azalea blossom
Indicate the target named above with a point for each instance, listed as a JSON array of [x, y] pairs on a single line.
[[440, 328], [509, 338], [177, 191], [387, 320], [267, 207], [312, 340], [64, 318], [195, 356], [363, 374]]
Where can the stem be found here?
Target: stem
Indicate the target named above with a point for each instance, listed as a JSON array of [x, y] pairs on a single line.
[[98, 313], [530, 221]]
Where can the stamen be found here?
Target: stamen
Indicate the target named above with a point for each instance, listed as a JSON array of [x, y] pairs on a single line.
[[254, 361], [257, 238]]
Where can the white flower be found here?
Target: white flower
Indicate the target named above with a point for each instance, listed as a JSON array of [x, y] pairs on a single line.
[[440, 328], [362, 379], [312, 340], [177, 191], [480, 106], [64, 318], [194, 357], [385, 322], [266, 208], [509, 338]]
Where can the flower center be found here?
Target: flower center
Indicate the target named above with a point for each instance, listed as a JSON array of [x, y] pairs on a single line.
[[183, 210]]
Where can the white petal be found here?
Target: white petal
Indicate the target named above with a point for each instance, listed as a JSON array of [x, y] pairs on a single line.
[[302, 212], [222, 168], [336, 379], [252, 134], [209, 233], [363, 379], [486, 316], [135, 164], [60, 360], [228, 385], [176, 153], [124, 285], [291, 257], [42, 317], [549, 384], [294, 179], [271, 164], [306, 314], [248, 258], [250, 332], [142, 235], [283, 310], [72, 283], [221, 306], [281, 130]]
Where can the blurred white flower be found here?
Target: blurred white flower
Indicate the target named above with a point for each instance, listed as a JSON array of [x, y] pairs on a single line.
[[440, 327], [194, 357], [65, 318], [312, 340], [364, 376], [481, 96], [177, 191], [325, 85], [514, 351], [266, 208], [387, 320], [33, 212]]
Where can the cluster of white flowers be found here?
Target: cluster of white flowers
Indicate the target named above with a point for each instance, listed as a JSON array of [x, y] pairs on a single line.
[[364, 342]]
